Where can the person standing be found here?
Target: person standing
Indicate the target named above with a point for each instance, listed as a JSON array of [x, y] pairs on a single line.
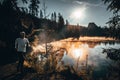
[[20, 46]]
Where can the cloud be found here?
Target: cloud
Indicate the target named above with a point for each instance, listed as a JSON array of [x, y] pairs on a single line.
[[100, 4], [89, 1], [67, 0]]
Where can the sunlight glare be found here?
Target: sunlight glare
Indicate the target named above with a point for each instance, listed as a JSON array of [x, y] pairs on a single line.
[[77, 52], [78, 14]]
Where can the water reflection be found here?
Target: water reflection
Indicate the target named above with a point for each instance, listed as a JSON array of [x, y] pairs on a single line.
[[83, 55], [87, 54]]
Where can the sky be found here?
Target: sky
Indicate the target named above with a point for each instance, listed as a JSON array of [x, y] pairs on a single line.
[[80, 11]]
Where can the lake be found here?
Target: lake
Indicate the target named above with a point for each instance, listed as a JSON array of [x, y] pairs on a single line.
[[88, 53], [85, 53]]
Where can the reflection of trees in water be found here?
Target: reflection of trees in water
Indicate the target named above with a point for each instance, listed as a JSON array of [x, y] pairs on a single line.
[[114, 68], [92, 44]]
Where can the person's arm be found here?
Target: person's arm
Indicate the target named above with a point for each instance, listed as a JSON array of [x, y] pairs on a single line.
[[28, 44]]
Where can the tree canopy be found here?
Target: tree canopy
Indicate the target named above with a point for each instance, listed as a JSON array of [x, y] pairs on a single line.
[[113, 5]]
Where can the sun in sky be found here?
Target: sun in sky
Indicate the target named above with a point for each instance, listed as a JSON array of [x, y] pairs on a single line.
[[78, 14]]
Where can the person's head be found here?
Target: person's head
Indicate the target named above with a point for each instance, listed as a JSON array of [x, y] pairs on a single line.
[[22, 34]]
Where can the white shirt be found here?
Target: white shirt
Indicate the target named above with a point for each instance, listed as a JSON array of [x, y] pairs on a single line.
[[20, 44]]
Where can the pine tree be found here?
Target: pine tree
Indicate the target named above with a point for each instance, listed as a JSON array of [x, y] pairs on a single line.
[[54, 15], [67, 23], [10, 4], [60, 22], [41, 14], [33, 7]]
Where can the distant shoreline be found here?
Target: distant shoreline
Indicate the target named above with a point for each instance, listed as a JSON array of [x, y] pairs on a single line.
[[90, 39]]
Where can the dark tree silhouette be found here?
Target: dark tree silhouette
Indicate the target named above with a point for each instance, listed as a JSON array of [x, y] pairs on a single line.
[[10, 26], [67, 23], [45, 10], [114, 22], [33, 7], [41, 14], [60, 22], [113, 5], [54, 16], [10, 4]]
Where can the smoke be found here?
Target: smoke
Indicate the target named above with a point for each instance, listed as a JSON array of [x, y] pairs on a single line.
[[43, 37]]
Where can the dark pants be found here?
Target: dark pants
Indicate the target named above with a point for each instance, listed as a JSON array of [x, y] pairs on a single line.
[[20, 61]]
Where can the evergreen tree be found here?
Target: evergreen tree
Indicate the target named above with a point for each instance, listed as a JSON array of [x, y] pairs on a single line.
[[45, 10], [41, 14], [24, 9], [54, 16], [10, 4], [33, 7], [67, 23], [60, 22]]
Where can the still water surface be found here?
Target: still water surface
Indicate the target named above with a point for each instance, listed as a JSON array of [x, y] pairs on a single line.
[[86, 53], [89, 54]]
